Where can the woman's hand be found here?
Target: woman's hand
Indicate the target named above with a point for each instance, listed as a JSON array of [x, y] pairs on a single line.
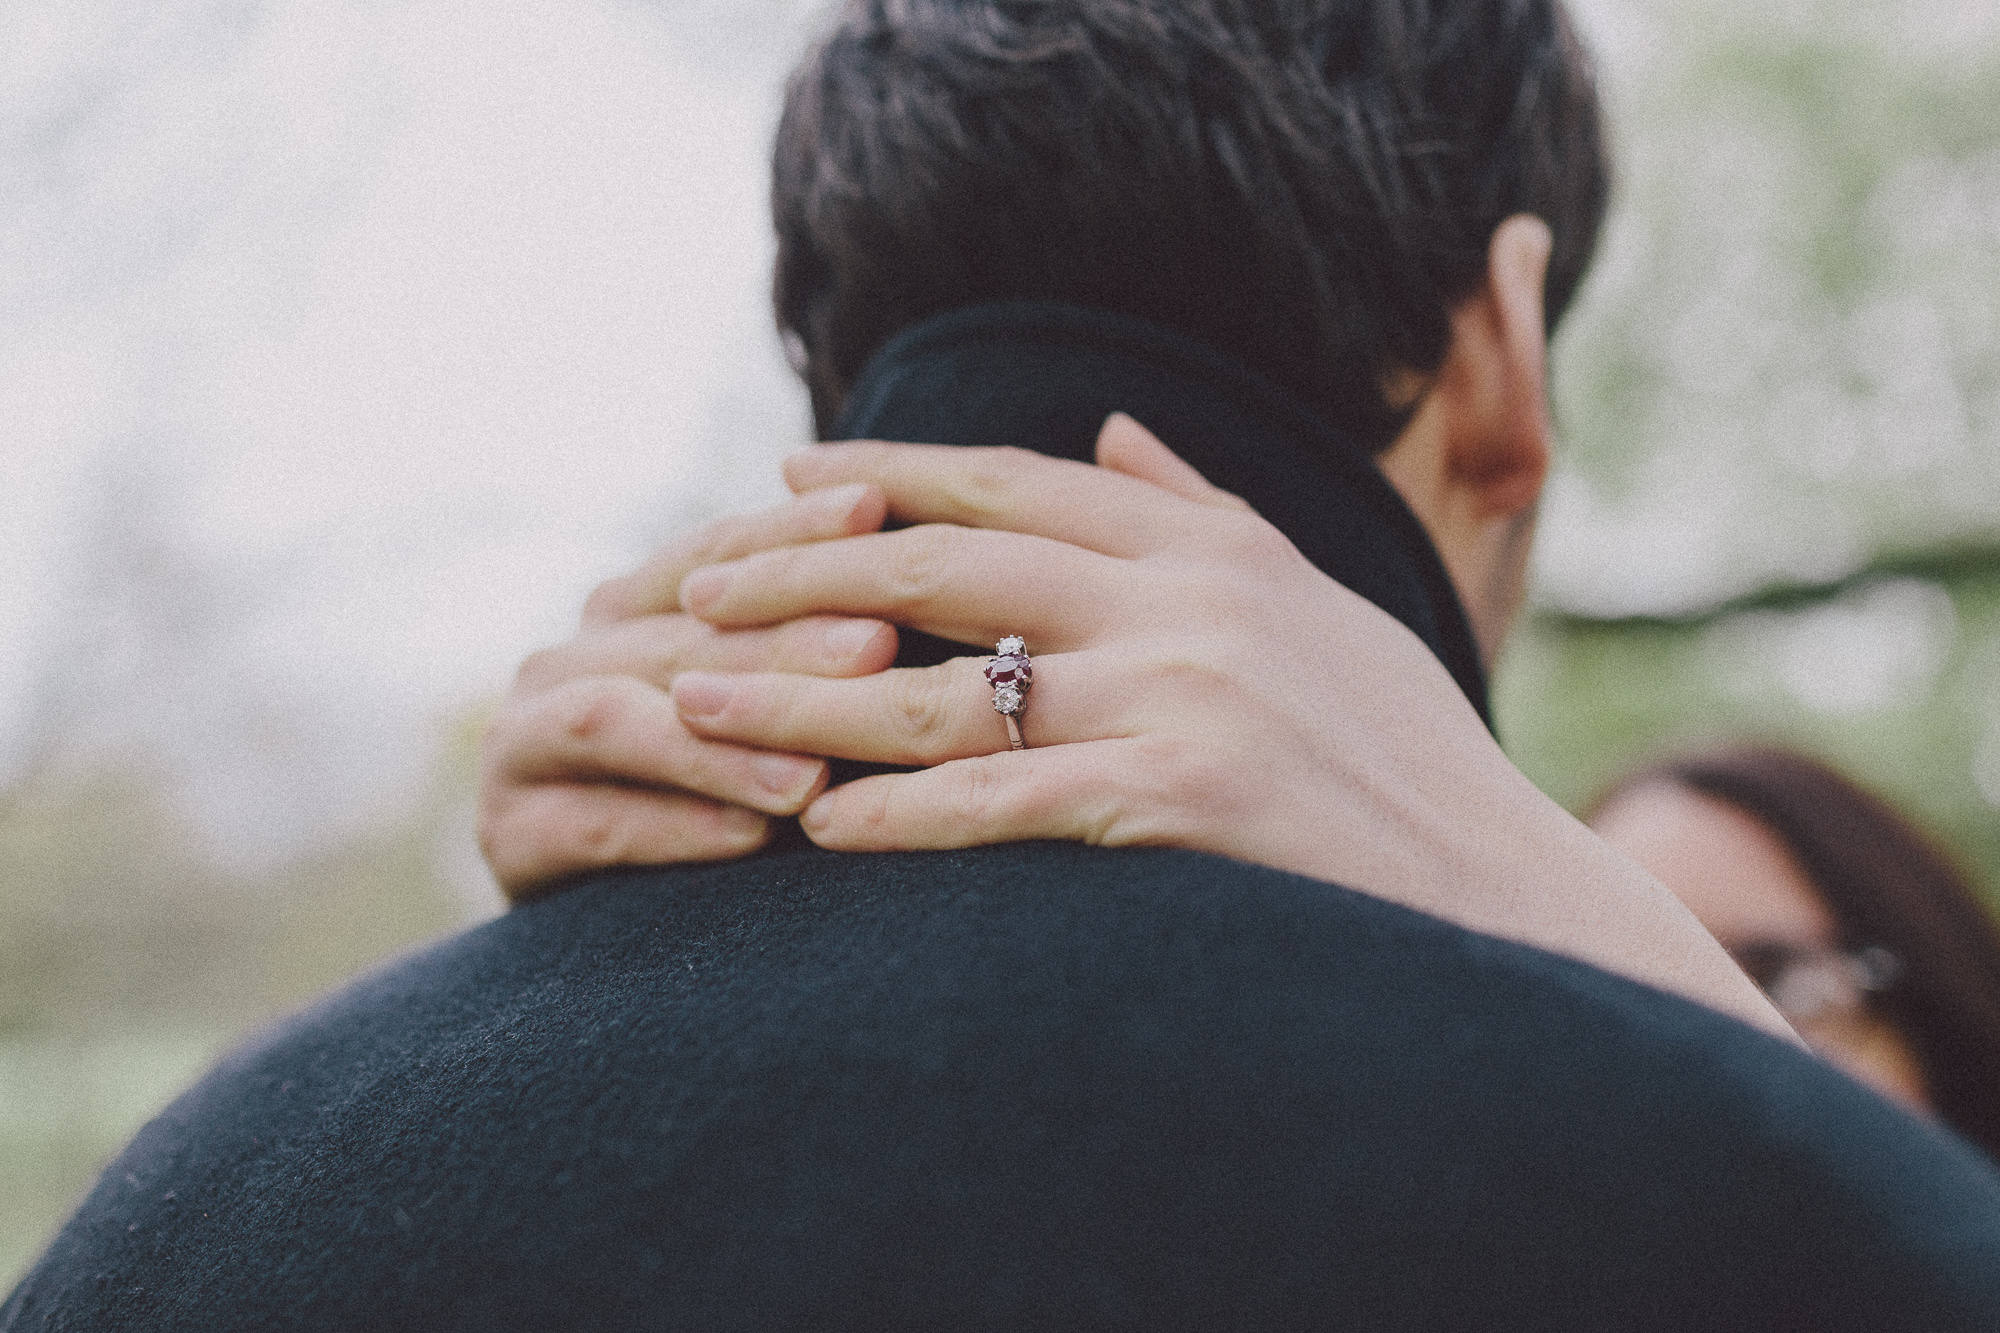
[[1197, 684], [587, 764]]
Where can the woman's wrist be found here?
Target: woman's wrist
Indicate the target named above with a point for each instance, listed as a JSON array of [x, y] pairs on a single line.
[[1516, 865]]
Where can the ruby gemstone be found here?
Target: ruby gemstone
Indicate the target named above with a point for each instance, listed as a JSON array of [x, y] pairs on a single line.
[[1010, 669]]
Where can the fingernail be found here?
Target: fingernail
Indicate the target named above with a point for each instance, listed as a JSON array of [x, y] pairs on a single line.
[[781, 774], [704, 588], [817, 815], [849, 637], [700, 694]]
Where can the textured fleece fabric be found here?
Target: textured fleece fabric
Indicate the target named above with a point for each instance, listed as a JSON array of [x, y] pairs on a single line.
[[1029, 1087], [1039, 1086]]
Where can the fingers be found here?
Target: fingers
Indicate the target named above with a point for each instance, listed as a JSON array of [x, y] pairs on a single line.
[[618, 730], [1012, 489], [586, 771], [1123, 445], [835, 511], [962, 584], [538, 835], [1072, 793], [919, 716], [1129, 506], [656, 648]]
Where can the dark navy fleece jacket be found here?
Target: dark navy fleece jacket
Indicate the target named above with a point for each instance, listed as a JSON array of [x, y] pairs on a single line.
[[1038, 1086]]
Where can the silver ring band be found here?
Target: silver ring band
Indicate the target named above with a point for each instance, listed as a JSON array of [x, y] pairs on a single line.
[[1011, 674]]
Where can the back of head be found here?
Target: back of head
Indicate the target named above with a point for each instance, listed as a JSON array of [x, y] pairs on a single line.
[[1307, 185]]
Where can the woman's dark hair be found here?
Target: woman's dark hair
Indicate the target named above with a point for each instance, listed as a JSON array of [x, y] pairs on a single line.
[[1888, 886], [1309, 185]]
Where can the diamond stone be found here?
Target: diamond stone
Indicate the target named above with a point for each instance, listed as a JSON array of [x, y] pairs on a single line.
[[1010, 646], [1006, 699]]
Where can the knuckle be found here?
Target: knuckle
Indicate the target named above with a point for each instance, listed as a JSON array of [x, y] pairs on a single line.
[[916, 564], [975, 793], [599, 834], [982, 488], [918, 711], [585, 711]]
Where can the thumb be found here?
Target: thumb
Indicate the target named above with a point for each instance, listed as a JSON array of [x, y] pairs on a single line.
[[1123, 445]]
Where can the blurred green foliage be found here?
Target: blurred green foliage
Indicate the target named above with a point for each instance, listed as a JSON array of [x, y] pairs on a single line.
[[1792, 320], [129, 959], [1781, 413], [1909, 704], [1778, 510]]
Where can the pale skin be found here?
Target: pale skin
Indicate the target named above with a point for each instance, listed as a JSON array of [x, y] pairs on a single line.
[[1182, 697], [1744, 885]]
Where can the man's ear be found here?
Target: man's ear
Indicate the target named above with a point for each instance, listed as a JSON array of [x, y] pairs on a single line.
[[1472, 461], [1494, 382]]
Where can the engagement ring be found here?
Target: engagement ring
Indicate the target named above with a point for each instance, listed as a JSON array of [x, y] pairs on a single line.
[[1010, 674]]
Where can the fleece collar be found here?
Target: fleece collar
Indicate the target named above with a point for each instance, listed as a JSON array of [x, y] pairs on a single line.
[[1043, 376]]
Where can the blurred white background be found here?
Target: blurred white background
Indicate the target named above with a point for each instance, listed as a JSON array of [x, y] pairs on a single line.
[[342, 347]]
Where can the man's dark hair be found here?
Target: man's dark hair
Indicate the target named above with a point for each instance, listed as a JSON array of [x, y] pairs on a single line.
[[1309, 185]]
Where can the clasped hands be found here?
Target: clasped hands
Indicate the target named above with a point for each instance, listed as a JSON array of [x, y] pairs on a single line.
[[1198, 684]]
